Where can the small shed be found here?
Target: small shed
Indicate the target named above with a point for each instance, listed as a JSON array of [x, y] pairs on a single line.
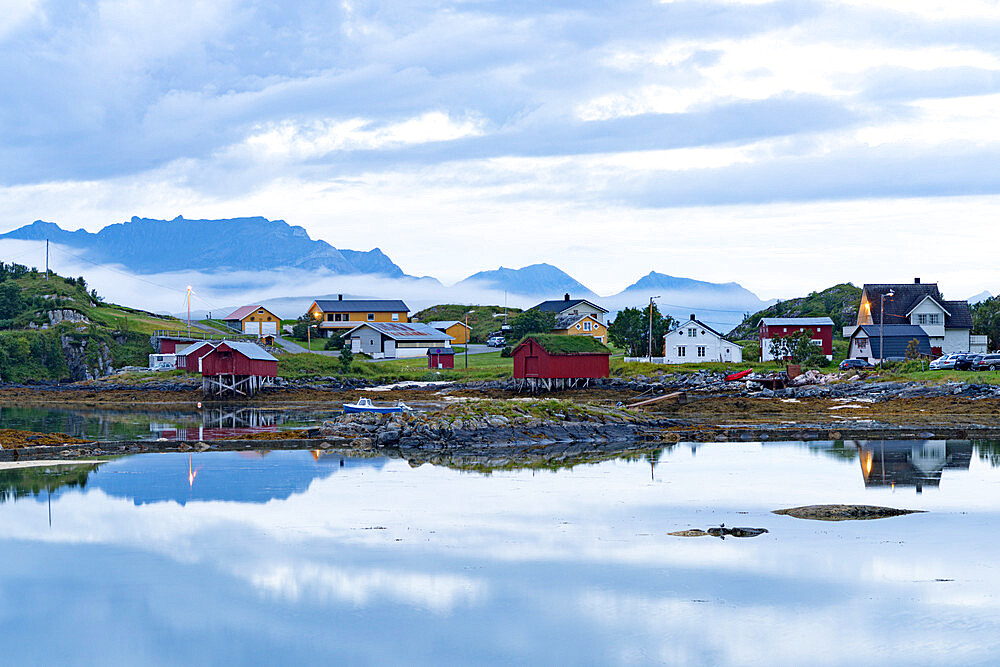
[[440, 357], [188, 357], [558, 361], [238, 368]]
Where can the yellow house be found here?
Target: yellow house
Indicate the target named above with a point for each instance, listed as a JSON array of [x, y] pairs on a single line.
[[256, 320], [581, 325], [340, 314], [455, 329]]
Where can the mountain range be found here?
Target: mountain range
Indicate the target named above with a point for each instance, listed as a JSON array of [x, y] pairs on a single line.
[[146, 246]]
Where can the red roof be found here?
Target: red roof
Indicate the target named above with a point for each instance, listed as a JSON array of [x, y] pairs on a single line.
[[240, 313]]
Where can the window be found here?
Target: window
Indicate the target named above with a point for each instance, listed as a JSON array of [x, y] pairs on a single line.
[[928, 318], [395, 317], [681, 351], [330, 317], [586, 326], [371, 317], [692, 333], [701, 350]]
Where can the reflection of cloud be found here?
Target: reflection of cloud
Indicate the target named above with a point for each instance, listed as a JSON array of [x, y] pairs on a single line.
[[440, 593]]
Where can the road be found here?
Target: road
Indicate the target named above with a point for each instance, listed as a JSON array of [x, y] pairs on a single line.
[[294, 348]]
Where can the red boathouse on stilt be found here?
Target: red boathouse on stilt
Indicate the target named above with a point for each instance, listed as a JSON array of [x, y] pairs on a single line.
[[554, 361]]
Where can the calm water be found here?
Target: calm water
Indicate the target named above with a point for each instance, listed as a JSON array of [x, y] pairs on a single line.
[[173, 423], [286, 558]]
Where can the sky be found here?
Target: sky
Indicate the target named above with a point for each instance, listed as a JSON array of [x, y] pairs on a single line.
[[787, 146]]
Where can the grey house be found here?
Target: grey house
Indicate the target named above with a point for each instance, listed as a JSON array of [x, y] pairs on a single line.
[[866, 341], [391, 340]]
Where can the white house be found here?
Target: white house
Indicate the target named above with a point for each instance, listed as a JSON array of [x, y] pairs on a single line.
[[948, 324], [391, 340], [694, 342]]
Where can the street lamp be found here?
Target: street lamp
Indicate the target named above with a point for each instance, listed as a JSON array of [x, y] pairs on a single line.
[[881, 326], [651, 327]]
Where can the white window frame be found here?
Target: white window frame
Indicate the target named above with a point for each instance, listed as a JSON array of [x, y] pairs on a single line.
[[395, 317], [681, 351], [692, 333], [701, 350], [371, 317]]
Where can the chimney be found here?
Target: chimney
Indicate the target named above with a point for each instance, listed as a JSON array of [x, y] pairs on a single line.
[[340, 297], [692, 317], [916, 281], [566, 296]]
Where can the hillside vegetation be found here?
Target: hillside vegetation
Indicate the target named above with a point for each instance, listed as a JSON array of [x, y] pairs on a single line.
[[840, 303], [483, 320], [55, 329]]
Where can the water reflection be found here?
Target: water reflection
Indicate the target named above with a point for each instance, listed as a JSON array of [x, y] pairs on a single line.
[[144, 423], [290, 558], [916, 463]]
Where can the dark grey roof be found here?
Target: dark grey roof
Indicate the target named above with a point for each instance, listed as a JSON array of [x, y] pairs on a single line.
[[249, 350], [413, 331], [559, 305], [897, 337], [362, 306], [906, 296], [566, 321]]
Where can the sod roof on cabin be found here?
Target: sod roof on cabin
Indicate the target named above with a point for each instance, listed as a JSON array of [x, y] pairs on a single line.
[[563, 344]]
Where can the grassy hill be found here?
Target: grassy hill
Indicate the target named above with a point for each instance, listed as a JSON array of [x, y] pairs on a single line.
[[55, 329], [483, 320], [840, 303]]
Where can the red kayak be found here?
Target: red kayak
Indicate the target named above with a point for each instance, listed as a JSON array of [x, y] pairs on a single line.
[[739, 376]]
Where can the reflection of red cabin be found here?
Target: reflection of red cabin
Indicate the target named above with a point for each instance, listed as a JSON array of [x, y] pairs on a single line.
[[552, 356], [440, 357], [241, 359]]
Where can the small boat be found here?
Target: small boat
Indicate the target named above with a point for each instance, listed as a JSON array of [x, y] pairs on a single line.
[[366, 405], [738, 376]]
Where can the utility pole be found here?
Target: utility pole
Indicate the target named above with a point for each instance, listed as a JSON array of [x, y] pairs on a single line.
[[46, 260], [881, 326], [189, 309], [651, 327]]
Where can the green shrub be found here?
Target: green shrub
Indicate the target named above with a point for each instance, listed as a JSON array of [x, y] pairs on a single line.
[[506, 351]]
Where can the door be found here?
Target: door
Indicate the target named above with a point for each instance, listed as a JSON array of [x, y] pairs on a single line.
[[531, 367], [268, 328], [251, 328]]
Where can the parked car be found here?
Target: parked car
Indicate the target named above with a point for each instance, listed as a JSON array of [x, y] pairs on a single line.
[[496, 341], [966, 361], [989, 362], [855, 363], [162, 366], [945, 362]]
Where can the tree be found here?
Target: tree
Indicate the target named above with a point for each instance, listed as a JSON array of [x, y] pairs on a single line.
[[531, 322], [913, 349], [630, 329], [986, 320], [11, 301], [334, 342], [346, 358], [300, 329]]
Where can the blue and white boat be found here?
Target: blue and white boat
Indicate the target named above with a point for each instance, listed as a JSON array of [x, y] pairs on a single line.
[[366, 405]]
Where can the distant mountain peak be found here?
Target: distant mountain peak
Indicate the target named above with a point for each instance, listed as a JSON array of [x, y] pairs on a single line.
[[149, 245], [535, 280]]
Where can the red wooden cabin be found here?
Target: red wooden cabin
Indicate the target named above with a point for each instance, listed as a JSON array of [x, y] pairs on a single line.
[[188, 358], [237, 368], [555, 357]]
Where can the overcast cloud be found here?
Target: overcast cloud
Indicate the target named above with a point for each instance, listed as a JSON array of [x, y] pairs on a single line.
[[783, 145]]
